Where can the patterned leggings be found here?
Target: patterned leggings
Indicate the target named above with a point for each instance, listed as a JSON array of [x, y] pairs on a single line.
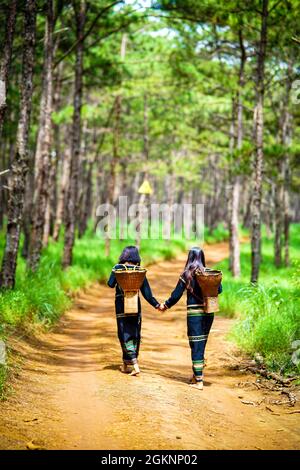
[[129, 333], [198, 328]]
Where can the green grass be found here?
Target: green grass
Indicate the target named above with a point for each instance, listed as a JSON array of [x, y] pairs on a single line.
[[269, 313]]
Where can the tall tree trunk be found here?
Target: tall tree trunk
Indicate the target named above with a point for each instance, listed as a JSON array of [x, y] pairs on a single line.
[[82, 171], [87, 200], [278, 199], [70, 224], [6, 61], [20, 165], [234, 242], [50, 218], [259, 151], [231, 178], [85, 195], [62, 163], [47, 225], [286, 138], [3, 173], [286, 215], [27, 211], [247, 207], [268, 210], [51, 203], [7, 158], [171, 186], [99, 180], [42, 158], [62, 195], [282, 186]]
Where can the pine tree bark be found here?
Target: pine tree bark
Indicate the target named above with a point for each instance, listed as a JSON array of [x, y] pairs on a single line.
[[42, 157], [259, 151], [20, 164], [247, 208], [86, 206], [8, 151], [56, 159], [286, 141], [278, 200], [71, 213], [62, 195], [234, 243], [6, 61], [268, 211], [62, 163], [282, 217], [3, 168], [232, 144], [82, 172], [286, 217], [51, 203], [27, 211]]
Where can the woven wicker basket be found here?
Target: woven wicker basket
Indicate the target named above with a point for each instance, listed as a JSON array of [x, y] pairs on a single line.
[[209, 281], [130, 280]]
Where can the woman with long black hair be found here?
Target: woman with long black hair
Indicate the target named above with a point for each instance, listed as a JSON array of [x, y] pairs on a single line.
[[198, 322], [129, 325]]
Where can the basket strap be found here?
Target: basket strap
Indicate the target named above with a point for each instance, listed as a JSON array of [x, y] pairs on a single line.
[[191, 291], [126, 268], [135, 267]]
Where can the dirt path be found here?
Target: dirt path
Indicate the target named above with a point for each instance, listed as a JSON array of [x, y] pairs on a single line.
[[70, 395]]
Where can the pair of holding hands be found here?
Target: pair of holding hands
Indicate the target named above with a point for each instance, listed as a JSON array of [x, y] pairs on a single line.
[[162, 307]]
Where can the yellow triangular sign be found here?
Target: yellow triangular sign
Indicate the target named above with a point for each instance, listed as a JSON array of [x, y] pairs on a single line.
[[145, 188]]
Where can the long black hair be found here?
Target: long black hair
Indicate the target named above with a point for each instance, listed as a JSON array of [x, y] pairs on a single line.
[[195, 261], [130, 254]]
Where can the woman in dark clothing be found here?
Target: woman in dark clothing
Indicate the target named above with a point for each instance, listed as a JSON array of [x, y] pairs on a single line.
[[198, 322], [129, 324]]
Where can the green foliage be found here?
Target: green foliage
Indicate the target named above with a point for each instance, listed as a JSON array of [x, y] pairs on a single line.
[[269, 313]]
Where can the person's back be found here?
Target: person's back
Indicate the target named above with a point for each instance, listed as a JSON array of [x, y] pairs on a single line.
[[129, 324], [198, 321]]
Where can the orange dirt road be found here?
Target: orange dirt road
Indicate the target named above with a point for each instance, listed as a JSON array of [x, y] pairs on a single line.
[[69, 393]]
